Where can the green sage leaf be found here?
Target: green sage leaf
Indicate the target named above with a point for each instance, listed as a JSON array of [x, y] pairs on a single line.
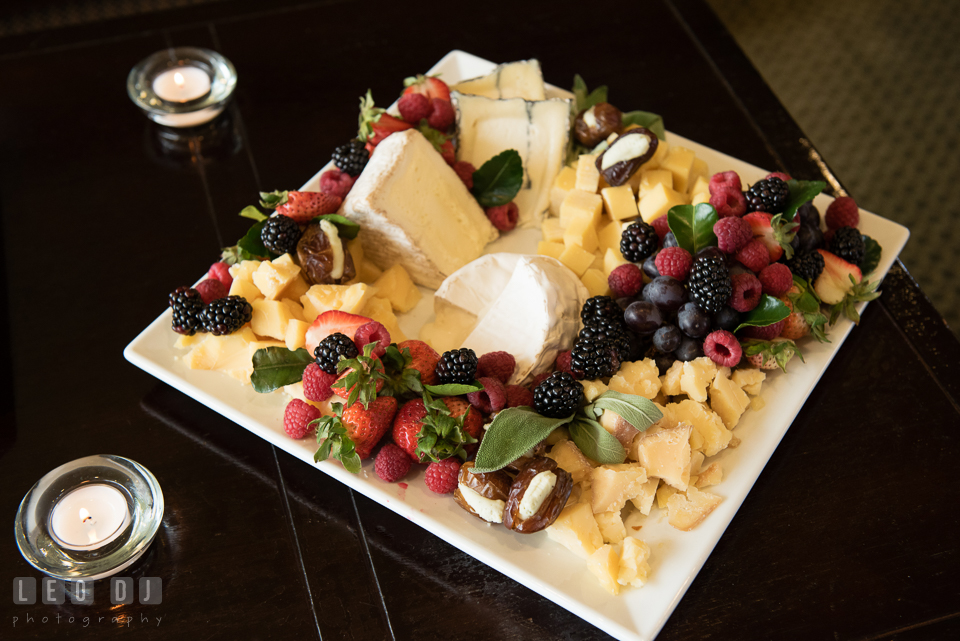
[[693, 226], [636, 410], [511, 435], [800, 192], [653, 122], [498, 180], [346, 228], [253, 213], [454, 389], [251, 247], [770, 310], [274, 367], [871, 257], [596, 443]]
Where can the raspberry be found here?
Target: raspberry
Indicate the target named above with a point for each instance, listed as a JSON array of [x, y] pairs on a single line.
[[441, 477], [370, 332], [492, 398], [726, 181], [842, 212], [564, 359], [767, 333], [518, 396], [392, 463], [662, 226], [625, 280], [316, 383], [729, 202], [674, 262], [776, 279], [336, 183], [442, 116], [746, 292], [211, 289], [465, 171], [414, 107], [754, 255], [297, 417], [498, 365], [779, 174], [723, 348], [732, 234], [504, 217], [221, 271]]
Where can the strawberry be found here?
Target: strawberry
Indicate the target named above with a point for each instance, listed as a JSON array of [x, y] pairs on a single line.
[[331, 322], [409, 366], [841, 284], [770, 354], [301, 206], [773, 232], [385, 126], [361, 378], [407, 426], [472, 420], [367, 425], [376, 124], [795, 327], [448, 153], [424, 360], [436, 429], [429, 86], [805, 317]]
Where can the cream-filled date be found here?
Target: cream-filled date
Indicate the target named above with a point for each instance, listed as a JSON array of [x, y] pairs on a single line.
[[537, 496], [625, 154]]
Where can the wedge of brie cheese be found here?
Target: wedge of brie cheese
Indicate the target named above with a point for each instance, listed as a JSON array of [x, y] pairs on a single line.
[[521, 79], [528, 306], [538, 130], [415, 211]]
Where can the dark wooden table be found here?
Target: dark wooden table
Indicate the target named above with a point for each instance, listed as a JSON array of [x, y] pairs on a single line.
[[851, 532]]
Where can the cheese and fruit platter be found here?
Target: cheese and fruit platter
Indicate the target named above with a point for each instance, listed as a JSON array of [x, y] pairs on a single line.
[[547, 330]]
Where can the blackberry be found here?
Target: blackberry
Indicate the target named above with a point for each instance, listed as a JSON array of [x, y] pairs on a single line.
[[226, 315], [557, 396], [709, 283], [638, 241], [594, 358], [457, 366], [600, 307], [331, 349], [807, 266], [611, 330], [768, 195], [351, 158], [847, 243], [187, 306], [280, 234]]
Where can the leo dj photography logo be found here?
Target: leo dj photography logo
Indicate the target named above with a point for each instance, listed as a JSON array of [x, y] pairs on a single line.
[[148, 591]]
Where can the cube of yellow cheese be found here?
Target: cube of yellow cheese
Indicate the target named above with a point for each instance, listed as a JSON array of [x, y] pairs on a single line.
[[396, 286], [270, 318], [619, 202], [355, 247], [580, 204], [547, 248], [380, 310], [221, 352], [565, 181], [588, 176], [699, 176], [569, 457], [658, 201], [245, 288], [576, 529], [244, 269], [700, 198], [273, 277], [296, 335], [609, 236], [581, 232], [368, 272], [577, 259], [596, 282], [346, 298], [680, 163], [663, 148], [552, 231], [697, 375], [665, 453], [728, 400], [611, 260], [653, 177], [701, 186], [605, 565]]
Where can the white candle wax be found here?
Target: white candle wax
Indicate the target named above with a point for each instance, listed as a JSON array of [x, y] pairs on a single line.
[[89, 517], [182, 84]]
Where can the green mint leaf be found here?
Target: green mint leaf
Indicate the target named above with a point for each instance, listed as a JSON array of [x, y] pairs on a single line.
[[583, 98], [498, 181], [801, 191], [251, 247], [770, 310], [454, 389], [653, 122], [274, 367], [512, 434], [693, 226], [272, 199], [346, 228], [871, 257], [434, 136], [596, 443], [636, 410], [253, 213]]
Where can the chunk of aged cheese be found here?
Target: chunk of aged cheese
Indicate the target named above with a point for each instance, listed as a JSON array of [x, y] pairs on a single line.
[[605, 565], [687, 510], [613, 485], [569, 457], [644, 501], [522, 79], [576, 529], [697, 375], [728, 400], [634, 562], [637, 377], [665, 453], [611, 526]]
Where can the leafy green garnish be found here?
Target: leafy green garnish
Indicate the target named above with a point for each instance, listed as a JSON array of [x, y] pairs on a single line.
[[361, 379], [596, 443], [860, 292], [779, 350], [871, 255], [346, 228], [253, 213], [402, 379], [499, 180], [636, 410], [693, 226], [434, 136], [807, 303], [770, 310], [652, 121], [512, 434], [274, 367], [583, 98], [250, 247], [441, 435], [334, 442], [369, 114], [800, 192], [454, 389], [271, 199]]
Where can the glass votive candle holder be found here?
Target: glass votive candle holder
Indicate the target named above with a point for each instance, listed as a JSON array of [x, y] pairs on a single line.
[[182, 86], [90, 518]]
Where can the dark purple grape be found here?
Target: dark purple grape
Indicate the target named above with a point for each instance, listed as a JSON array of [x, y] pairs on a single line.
[[810, 238], [727, 318], [795, 243], [670, 240], [737, 268], [689, 349], [711, 251], [643, 317], [665, 292], [664, 361], [636, 349], [667, 338], [624, 302], [809, 215], [693, 321], [650, 266]]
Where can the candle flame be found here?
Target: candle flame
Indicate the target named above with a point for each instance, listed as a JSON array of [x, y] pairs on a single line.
[[178, 78], [84, 515]]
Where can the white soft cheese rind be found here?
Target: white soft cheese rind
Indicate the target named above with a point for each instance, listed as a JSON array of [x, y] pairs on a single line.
[[536, 493], [415, 210], [490, 510]]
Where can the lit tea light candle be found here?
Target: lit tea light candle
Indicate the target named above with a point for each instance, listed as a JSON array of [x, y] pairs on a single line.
[[89, 517], [182, 84]]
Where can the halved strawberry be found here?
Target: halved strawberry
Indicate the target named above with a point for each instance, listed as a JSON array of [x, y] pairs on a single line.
[[376, 124], [385, 126], [773, 232], [429, 86], [303, 206], [833, 284], [331, 322]]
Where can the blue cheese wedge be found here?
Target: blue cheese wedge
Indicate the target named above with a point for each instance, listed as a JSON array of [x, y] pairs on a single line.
[[521, 79], [539, 130]]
